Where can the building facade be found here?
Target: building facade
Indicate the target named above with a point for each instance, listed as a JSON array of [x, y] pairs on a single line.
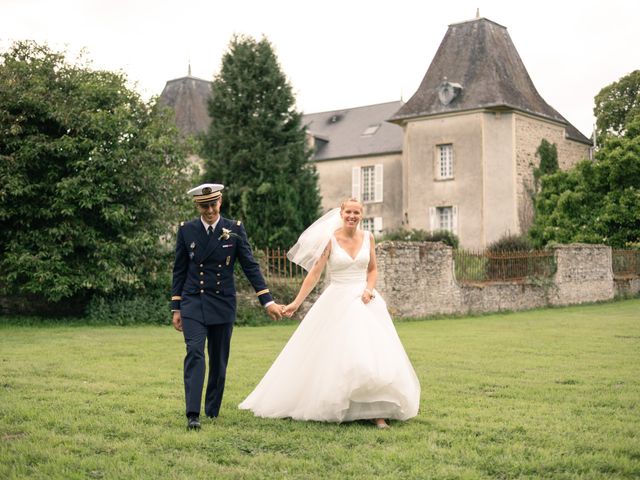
[[459, 155]]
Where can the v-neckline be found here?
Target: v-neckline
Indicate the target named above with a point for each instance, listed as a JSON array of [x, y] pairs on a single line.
[[353, 259]]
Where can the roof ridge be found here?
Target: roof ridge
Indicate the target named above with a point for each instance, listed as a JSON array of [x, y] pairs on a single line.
[[477, 20], [354, 108], [189, 77]]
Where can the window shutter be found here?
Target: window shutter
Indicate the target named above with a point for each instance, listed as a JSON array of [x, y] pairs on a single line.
[[355, 183], [454, 220], [377, 225], [432, 218], [378, 184]]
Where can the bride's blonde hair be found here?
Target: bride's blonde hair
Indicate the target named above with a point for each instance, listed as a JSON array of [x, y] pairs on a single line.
[[351, 200]]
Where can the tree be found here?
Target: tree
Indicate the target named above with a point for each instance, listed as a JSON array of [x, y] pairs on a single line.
[[595, 202], [599, 202], [256, 146], [548, 154], [616, 105], [90, 178]]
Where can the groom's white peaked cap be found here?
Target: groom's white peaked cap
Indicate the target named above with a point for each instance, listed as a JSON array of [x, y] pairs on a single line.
[[207, 192]]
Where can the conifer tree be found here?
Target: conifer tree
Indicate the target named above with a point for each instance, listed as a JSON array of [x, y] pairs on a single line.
[[256, 146]]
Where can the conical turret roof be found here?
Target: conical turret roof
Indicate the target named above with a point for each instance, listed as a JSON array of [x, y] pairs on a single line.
[[478, 66], [188, 96]]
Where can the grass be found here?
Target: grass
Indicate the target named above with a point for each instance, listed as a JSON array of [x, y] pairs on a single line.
[[541, 394]]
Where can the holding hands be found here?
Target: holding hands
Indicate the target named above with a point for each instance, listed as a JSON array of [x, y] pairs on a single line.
[[275, 311]]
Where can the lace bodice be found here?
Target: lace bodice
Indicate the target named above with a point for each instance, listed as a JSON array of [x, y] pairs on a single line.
[[344, 269]]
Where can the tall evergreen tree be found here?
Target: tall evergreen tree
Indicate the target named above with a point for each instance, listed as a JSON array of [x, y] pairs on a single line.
[[256, 146]]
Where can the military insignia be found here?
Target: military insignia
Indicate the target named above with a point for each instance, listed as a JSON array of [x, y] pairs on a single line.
[[228, 260], [206, 190], [192, 246]]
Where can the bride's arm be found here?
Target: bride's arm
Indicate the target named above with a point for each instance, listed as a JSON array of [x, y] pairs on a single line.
[[309, 282], [372, 273]]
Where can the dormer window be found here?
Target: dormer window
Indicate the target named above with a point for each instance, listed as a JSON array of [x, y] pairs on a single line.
[[448, 91]]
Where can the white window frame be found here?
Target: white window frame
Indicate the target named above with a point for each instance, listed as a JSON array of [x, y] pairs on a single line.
[[368, 175], [372, 224], [374, 178], [435, 219], [444, 161]]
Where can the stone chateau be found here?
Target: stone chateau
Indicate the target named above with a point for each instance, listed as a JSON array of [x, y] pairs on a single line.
[[458, 155]]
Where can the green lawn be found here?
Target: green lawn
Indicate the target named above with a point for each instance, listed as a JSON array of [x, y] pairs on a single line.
[[542, 394]]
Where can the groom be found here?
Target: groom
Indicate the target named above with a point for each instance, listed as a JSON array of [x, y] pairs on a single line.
[[203, 298]]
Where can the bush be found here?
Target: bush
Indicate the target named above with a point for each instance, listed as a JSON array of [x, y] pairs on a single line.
[[511, 243], [148, 306], [416, 235], [121, 310], [100, 173]]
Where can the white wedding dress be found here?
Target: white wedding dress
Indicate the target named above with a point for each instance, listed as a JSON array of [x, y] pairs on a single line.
[[345, 361]]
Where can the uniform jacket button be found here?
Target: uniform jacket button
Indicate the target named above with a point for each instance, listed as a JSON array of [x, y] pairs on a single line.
[[219, 266], [201, 273], [201, 282], [201, 265], [217, 283], [201, 291], [217, 291]]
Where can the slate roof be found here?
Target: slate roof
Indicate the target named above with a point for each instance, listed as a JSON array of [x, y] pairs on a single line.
[[188, 97], [480, 56], [352, 132]]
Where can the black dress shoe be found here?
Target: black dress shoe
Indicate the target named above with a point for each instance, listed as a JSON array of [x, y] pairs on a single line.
[[193, 423]]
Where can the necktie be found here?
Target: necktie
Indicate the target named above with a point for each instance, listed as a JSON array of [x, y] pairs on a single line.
[[209, 230]]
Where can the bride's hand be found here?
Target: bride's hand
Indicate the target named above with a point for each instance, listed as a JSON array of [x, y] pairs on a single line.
[[290, 309], [367, 296]]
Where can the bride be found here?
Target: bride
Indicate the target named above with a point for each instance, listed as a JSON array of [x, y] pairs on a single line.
[[345, 361]]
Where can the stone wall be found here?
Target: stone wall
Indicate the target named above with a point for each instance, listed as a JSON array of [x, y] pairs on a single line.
[[529, 132], [417, 280]]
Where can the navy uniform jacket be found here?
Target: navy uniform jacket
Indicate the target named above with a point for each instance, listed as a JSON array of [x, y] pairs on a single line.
[[203, 285]]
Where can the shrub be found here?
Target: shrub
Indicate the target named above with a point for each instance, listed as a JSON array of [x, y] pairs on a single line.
[[148, 306], [511, 243], [416, 235]]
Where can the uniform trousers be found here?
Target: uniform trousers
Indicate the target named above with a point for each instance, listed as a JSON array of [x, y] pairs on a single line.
[[218, 339]]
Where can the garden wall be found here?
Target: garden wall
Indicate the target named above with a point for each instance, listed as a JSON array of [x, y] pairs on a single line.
[[417, 280]]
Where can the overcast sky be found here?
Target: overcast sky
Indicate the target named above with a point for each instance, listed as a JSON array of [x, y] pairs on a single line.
[[339, 53]]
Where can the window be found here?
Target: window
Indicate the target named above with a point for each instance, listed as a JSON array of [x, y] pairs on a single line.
[[445, 161], [368, 186], [366, 183], [444, 218], [370, 130], [372, 224]]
